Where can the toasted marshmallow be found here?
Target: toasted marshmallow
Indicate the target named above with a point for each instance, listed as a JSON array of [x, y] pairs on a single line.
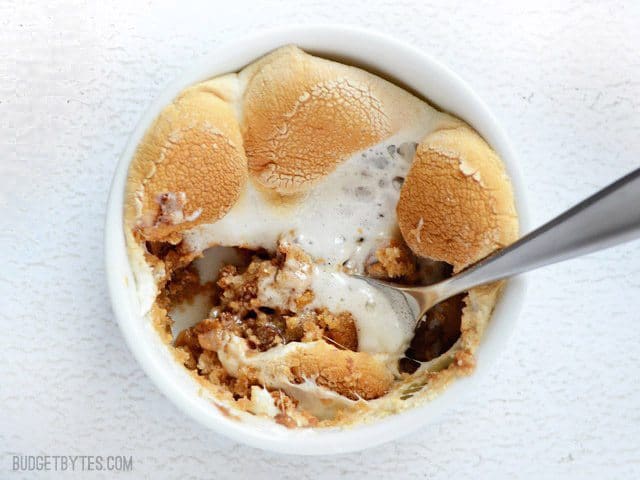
[[456, 203], [351, 374], [303, 115], [354, 375], [190, 167]]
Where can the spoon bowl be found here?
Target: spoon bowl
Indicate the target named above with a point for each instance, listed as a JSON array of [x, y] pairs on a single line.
[[601, 221]]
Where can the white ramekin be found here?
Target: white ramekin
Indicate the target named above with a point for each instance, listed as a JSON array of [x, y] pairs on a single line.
[[410, 68]]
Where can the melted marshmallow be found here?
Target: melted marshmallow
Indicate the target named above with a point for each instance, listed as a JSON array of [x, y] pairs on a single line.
[[341, 219], [380, 328], [320, 401]]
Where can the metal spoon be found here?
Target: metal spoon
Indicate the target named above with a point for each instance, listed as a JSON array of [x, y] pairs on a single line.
[[608, 218]]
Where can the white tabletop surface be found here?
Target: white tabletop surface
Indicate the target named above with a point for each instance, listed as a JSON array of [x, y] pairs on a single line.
[[563, 78]]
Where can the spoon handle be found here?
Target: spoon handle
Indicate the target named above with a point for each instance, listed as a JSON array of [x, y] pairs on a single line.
[[609, 217]]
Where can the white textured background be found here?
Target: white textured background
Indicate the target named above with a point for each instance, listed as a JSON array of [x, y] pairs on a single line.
[[563, 78]]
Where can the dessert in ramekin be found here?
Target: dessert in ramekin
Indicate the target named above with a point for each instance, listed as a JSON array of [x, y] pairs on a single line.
[[253, 197]]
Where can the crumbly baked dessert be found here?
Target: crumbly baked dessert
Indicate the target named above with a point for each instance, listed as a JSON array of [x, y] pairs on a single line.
[[255, 195]]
